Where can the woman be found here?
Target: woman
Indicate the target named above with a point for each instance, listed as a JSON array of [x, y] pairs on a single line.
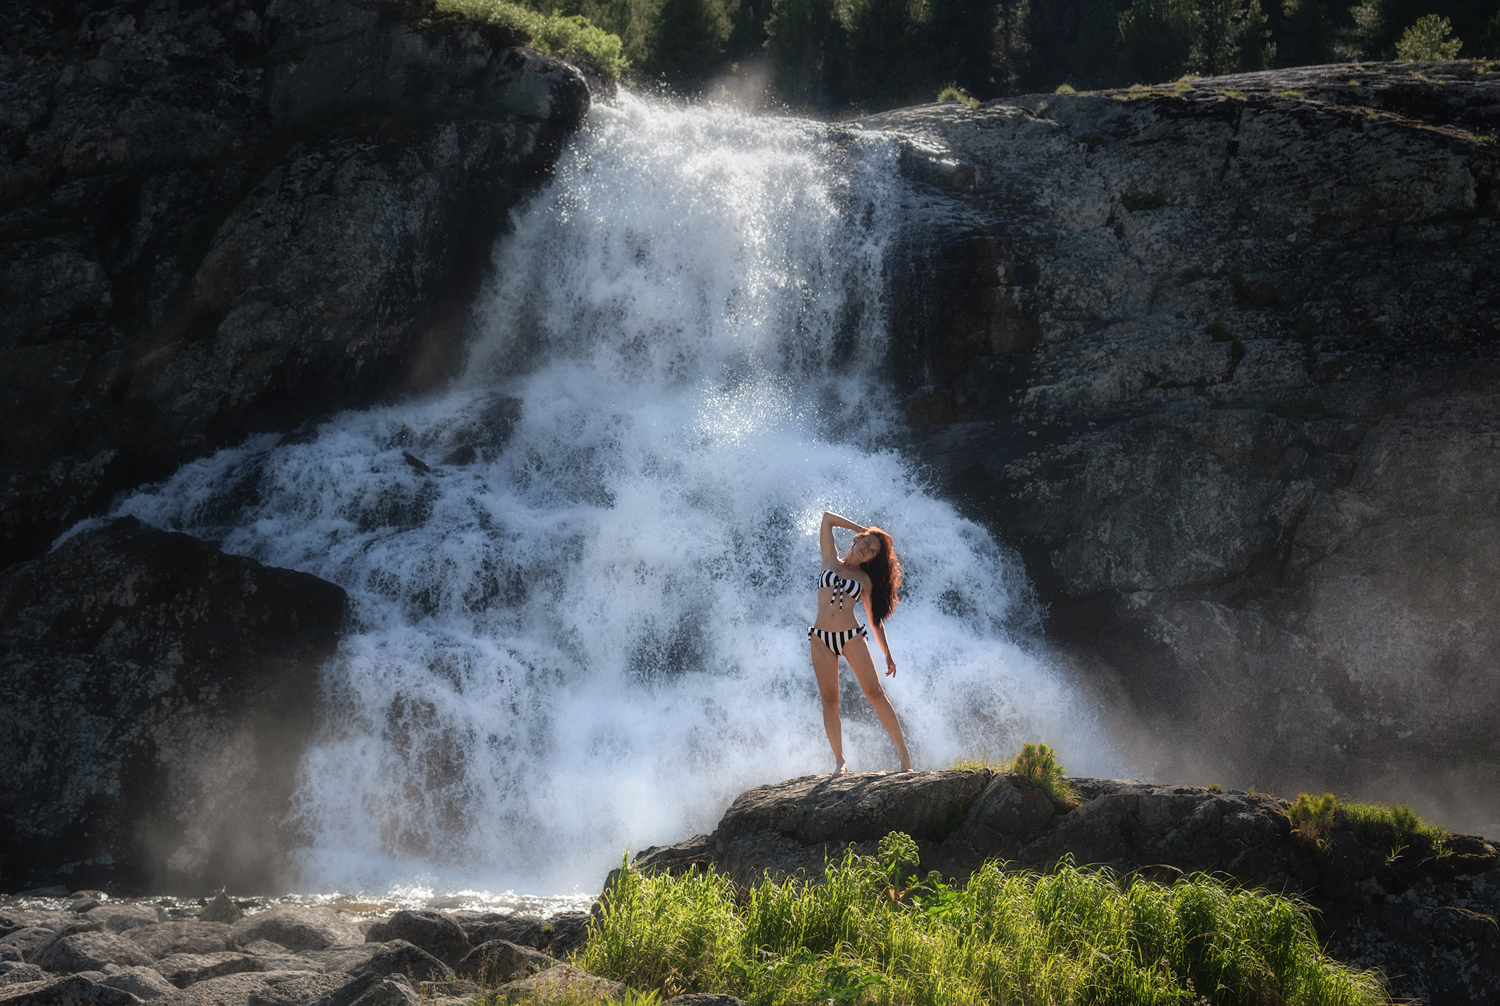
[[870, 572]]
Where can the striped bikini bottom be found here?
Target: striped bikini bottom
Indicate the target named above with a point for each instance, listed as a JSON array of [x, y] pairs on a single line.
[[835, 641]]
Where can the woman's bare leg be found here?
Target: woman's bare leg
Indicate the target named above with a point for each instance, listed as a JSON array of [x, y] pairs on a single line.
[[858, 655], [826, 666]]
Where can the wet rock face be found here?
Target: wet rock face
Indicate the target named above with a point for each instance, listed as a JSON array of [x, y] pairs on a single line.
[[155, 695], [1222, 361], [228, 217]]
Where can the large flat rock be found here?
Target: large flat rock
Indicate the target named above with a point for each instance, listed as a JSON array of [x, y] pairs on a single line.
[[855, 807], [297, 928]]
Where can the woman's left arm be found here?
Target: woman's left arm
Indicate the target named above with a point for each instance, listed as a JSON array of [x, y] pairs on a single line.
[[890, 661]]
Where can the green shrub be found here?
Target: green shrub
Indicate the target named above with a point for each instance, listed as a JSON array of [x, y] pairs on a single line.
[[1427, 39], [1065, 88], [1312, 816], [1376, 825], [1071, 937], [1036, 766], [573, 37]]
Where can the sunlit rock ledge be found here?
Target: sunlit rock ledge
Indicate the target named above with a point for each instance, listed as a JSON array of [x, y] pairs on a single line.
[[1221, 359], [1429, 922]]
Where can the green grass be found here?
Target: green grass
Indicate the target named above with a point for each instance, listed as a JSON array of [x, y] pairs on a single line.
[[1074, 936], [1376, 825], [955, 93], [1035, 766], [572, 37]]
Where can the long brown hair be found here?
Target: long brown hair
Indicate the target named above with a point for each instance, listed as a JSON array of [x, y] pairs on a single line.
[[885, 577]]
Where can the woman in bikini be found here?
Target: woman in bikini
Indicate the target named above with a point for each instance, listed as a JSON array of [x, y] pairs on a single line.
[[870, 572]]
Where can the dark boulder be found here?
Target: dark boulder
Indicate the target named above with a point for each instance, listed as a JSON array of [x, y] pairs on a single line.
[[275, 988], [75, 990], [16, 972], [297, 928], [372, 990], [221, 909], [166, 938], [88, 952], [434, 932], [857, 807], [182, 970], [22, 943], [141, 982], [398, 957], [117, 918], [557, 935], [497, 962], [156, 693]]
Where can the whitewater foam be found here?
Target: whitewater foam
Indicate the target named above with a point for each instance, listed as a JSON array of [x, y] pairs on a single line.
[[584, 626]]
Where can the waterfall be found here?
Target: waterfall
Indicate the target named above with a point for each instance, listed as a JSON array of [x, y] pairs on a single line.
[[583, 626]]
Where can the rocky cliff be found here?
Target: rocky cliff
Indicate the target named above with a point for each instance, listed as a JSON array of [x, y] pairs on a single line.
[[1427, 921], [227, 217], [1221, 359]]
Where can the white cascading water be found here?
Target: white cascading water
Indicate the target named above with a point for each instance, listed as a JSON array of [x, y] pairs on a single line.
[[585, 626]]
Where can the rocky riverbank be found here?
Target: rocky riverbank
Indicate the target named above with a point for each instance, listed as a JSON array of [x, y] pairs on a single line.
[[1221, 359], [1427, 921], [102, 952]]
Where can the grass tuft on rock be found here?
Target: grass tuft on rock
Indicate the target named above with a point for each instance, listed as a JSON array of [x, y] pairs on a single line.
[[955, 93], [1376, 825], [1073, 936], [1036, 765]]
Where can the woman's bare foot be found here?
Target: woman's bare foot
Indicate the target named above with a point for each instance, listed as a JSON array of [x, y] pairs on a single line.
[[841, 770]]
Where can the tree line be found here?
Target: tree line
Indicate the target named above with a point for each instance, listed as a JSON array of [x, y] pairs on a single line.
[[831, 56]]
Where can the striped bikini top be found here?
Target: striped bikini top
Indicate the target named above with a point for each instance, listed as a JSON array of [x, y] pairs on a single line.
[[840, 586]]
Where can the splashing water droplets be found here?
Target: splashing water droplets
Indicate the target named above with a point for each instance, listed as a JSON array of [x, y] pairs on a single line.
[[584, 625]]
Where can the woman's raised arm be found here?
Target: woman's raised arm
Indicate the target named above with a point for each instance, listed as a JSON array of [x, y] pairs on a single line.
[[832, 520]]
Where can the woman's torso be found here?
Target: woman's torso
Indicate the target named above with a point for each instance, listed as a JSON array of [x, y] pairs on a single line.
[[839, 590]]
